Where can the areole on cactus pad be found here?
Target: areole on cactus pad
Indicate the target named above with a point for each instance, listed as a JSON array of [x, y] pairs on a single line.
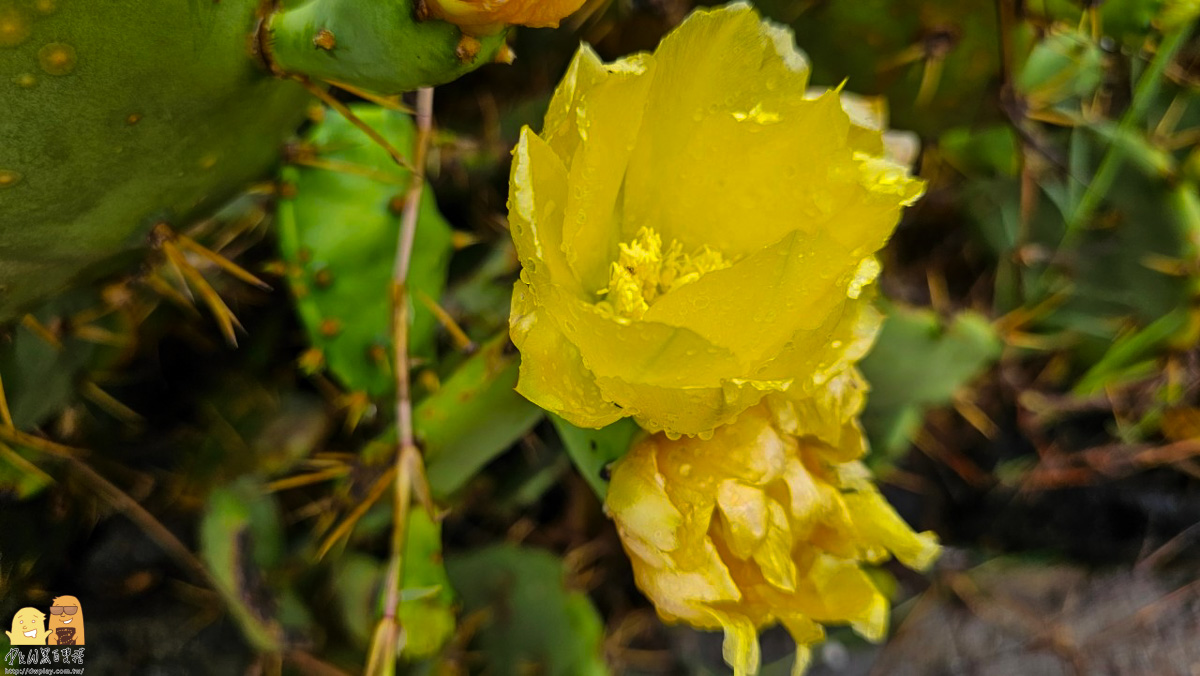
[[122, 115]]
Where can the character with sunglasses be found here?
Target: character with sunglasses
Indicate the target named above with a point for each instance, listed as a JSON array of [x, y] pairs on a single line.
[[66, 622]]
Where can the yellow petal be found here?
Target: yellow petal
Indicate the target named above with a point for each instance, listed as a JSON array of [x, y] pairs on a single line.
[[843, 592], [774, 556], [607, 117], [808, 502], [879, 525], [536, 207], [872, 621], [638, 501], [829, 415], [802, 660], [803, 629], [651, 353], [717, 64], [746, 516], [681, 593], [846, 338], [552, 373], [868, 117], [738, 209], [782, 292], [751, 451], [740, 647], [805, 633], [687, 410]]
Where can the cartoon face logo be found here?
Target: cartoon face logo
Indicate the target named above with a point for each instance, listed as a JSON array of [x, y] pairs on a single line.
[[66, 621], [28, 628]]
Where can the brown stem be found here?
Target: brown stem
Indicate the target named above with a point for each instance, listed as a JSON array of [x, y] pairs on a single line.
[[410, 471]]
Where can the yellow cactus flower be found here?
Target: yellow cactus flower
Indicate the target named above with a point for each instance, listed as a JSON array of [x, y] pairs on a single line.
[[487, 17], [696, 230], [762, 524]]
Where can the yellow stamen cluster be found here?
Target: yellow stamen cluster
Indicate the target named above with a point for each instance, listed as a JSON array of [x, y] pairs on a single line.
[[644, 271]]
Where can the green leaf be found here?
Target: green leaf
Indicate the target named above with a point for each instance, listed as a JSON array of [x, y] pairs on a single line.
[[426, 598], [356, 588], [991, 150], [39, 378], [338, 233], [427, 611], [19, 475], [592, 450], [1065, 64], [919, 362], [241, 534], [473, 417], [1133, 356], [535, 625]]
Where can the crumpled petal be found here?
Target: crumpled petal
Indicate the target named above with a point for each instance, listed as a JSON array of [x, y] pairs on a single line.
[[766, 527], [880, 526]]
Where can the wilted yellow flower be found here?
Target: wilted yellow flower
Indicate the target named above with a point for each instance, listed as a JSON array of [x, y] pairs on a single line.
[[759, 526], [697, 230], [487, 17]]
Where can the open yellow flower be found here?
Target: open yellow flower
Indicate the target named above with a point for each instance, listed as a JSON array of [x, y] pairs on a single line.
[[696, 230], [759, 526], [487, 17]]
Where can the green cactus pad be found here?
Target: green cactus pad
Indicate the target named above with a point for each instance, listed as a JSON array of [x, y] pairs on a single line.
[[377, 45], [118, 115], [338, 234]]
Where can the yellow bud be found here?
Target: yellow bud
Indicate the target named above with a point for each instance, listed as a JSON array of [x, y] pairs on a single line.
[[487, 17]]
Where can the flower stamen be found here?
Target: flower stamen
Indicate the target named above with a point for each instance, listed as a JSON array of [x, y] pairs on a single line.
[[644, 271]]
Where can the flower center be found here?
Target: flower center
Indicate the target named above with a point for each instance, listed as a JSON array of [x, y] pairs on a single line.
[[644, 271]]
